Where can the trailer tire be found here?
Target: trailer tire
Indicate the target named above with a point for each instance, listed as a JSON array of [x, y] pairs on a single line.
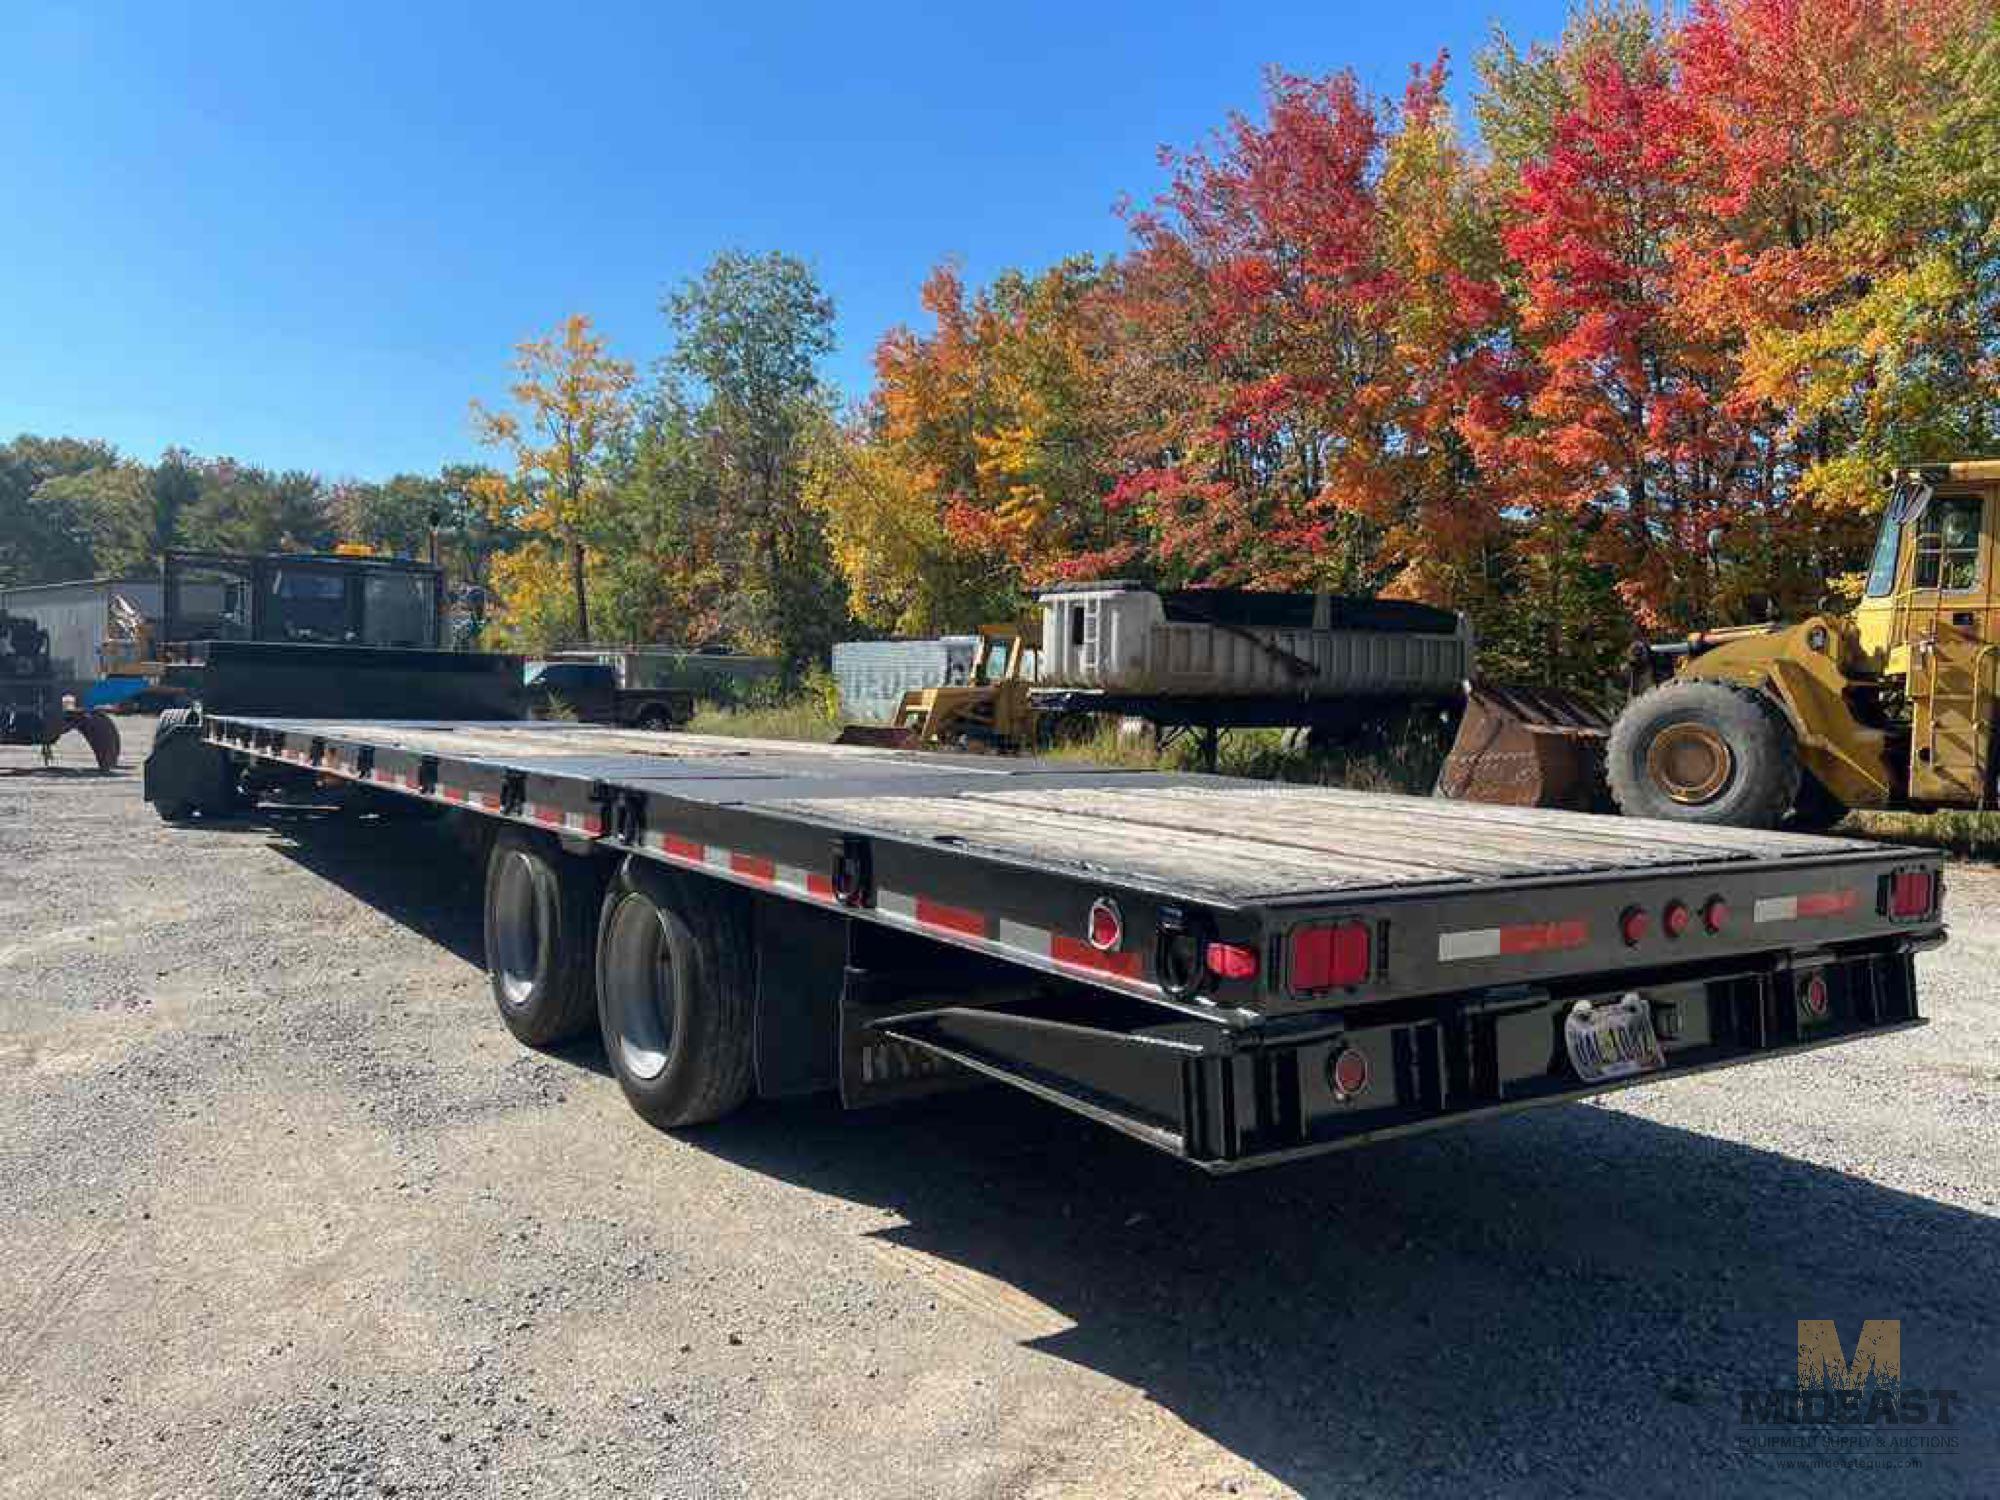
[[1694, 751], [676, 987], [541, 936]]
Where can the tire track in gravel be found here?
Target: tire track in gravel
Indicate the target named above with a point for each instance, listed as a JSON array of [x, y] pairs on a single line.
[[54, 1291]]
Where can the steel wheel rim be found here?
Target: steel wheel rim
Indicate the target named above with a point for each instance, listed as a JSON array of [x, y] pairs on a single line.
[[639, 987], [520, 918], [1691, 763]]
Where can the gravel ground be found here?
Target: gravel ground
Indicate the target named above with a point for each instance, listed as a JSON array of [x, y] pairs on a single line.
[[285, 1211]]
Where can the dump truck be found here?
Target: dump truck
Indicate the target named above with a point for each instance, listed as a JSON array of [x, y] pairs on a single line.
[[1191, 660], [1892, 705], [1233, 972]]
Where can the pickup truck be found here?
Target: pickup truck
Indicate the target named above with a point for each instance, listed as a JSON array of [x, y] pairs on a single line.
[[588, 691]]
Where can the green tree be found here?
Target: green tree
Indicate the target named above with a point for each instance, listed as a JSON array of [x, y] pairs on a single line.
[[743, 374], [46, 534]]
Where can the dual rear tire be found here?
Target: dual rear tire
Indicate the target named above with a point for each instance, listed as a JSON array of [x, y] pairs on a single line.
[[660, 962]]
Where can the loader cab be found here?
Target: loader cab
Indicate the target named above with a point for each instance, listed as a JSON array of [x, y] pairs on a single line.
[[1006, 653], [1933, 565], [1929, 618]]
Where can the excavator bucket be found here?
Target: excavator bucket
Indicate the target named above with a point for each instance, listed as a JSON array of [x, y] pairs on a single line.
[[96, 728], [1528, 747]]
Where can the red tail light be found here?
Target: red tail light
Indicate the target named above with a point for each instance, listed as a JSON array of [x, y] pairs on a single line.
[[1330, 957], [1910, 894], [1232, 961]]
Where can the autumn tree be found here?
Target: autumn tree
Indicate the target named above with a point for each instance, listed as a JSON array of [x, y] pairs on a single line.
[[730, 439], [571, 410]]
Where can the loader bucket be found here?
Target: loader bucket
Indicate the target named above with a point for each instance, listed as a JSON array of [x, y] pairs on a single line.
[[100, 734], [881, 736], [1528, 747], [93, 724]]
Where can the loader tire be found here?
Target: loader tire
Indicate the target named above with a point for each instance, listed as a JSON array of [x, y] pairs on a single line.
[[1704, 752], [541, 936], [676, 987]]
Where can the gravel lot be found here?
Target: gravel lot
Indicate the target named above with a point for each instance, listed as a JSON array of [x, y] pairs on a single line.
[[285, 1211]]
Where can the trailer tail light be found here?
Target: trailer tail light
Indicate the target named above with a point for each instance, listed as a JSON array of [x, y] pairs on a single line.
[[1908, 895], [1331, 957], [1232, 961], [1633, 924], [1674, 920], [1347, 1073], [1813, 997], [1106, 926], [1715, 914]]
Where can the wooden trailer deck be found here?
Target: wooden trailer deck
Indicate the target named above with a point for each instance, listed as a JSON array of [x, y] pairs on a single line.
[[1219, 839]]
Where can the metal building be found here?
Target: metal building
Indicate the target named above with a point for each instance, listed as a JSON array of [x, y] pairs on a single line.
[[874, 675], [78, 617]]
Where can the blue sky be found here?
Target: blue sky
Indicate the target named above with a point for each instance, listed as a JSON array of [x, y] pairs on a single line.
[[307, 235]]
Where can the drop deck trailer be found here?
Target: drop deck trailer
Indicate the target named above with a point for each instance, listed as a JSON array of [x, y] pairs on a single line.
[[1236, 972]]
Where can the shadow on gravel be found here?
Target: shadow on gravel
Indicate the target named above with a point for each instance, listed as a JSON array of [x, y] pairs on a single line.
[[1569, 1300], [1577, 1294], [412, 870], [65, 773]]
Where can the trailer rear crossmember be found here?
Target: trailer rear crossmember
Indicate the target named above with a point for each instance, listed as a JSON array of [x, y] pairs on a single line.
[[1235, 972]]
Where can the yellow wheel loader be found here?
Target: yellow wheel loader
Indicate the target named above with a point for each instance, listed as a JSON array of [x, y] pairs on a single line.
[[990, 710], [1892, 706]]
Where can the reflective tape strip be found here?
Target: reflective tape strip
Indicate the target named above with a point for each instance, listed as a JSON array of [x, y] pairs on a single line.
[[1812, 904], [1070, 953], [939, 917], [1505, 942], [754, 867], [1482, 943]]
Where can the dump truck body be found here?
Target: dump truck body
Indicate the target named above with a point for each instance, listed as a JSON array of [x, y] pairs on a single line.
[[1121, 638], [1235, 972]]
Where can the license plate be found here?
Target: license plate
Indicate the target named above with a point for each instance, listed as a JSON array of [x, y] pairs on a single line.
[[1612, 1039]]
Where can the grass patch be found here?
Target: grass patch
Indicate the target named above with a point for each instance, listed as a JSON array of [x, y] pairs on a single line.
[[1399, 753], [800, 718], [1395, 753], [1974, 834]]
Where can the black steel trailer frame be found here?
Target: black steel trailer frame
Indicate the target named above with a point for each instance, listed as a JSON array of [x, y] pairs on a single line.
[[1128, 944]]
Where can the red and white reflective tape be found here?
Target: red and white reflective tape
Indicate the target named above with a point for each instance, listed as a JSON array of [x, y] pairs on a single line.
[[590, 824], [1505, 942], [464, 797], [1017, 940], [1071, 953], [1812, 904], [749, 869]]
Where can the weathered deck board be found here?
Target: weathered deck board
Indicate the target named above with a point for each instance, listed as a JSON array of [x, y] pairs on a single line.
[[1230, 840]]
